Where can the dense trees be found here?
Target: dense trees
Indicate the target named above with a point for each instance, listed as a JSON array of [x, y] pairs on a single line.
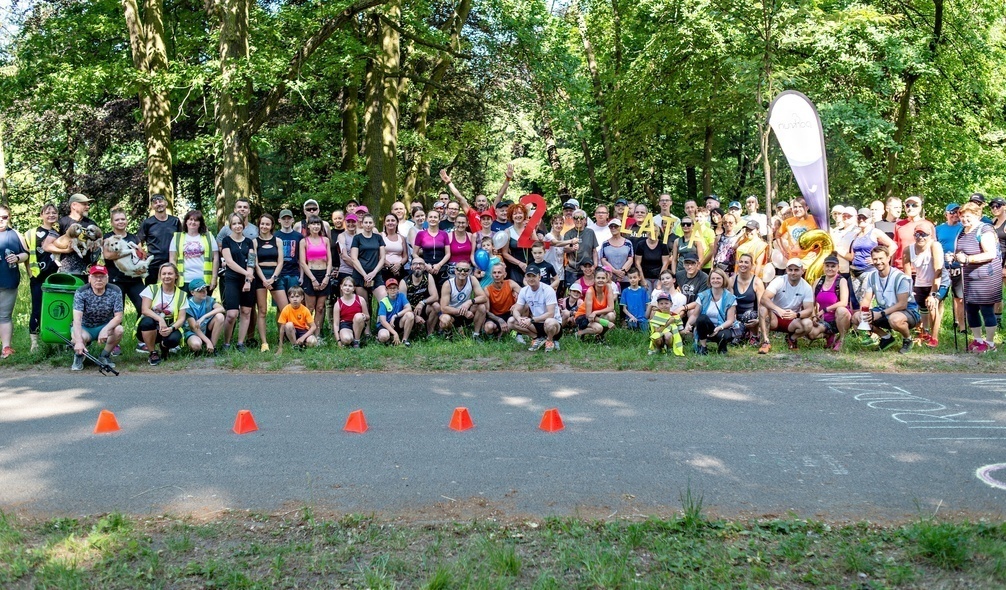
[[287, 100]]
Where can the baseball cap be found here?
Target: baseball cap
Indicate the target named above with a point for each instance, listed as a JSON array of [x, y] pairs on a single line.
[[310, 202], [506, 202], [362, 209], [352, 202], [782, 205], [977, 198], [285, 213], [531, 270], [352, 217], [794, 262], [920, 231], [97, 269], [951, 207], [998, 202], [587, 262], [663, 296], [576, 287], [502, 205], [831, 259], [621, 202], [571, 203], [390, 282], [79, 198], [850, 211], [158, 197], [614, 222], [734, 205], [913, 198], [486, 213], [751, 224], [691, 257], [837, 209], [865, 212], [197, 285]]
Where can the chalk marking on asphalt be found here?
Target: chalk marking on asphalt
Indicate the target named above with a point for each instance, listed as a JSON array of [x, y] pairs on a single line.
[[968, 438], [984, 474]]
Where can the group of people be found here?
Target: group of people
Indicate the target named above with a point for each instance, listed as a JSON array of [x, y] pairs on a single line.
[[719, 276]]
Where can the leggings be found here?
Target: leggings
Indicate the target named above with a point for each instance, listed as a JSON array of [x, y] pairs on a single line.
[[977, 313], [170, 341], [704, 331], [35, 318], [131, 291]]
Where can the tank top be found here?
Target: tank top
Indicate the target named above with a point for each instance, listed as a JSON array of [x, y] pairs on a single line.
[[922, 263], [825, 297], [417, 293], [862, 247], [501, 298], [460, 251], [600, 300], [394, 251], [268, 253], [726, 252], [522, 254], [345, 246], [459, 296], [347, 311], [315, 251], [747, 300]]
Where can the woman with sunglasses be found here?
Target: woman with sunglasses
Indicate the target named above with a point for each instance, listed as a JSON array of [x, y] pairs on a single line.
[[867, 237], [978, 250], [689, 243]]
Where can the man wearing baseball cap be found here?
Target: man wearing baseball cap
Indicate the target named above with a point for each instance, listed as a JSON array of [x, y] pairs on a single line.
[[947, 234], [157, 232], [71, 262], [790, 302], [97, 316], [904, 229]]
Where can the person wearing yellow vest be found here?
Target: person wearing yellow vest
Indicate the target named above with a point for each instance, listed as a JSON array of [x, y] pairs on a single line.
[[194, 252], [40, 266], [164, 309]]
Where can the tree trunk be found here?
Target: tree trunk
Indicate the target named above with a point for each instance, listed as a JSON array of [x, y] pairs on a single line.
[[552, 153], [4, 192], [588, 161], [382, 115], [233, 168], [691, 184], [707, 162], [146, 40], [350, 124], [595, 78]]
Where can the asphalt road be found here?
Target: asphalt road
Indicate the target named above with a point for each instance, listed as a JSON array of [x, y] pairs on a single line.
[[839, 447]]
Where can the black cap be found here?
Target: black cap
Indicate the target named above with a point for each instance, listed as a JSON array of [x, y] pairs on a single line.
[[977, 198], [998, 202], [691, 257], [831, 259]]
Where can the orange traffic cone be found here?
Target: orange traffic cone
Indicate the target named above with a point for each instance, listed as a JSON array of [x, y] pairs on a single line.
[[245, 422], [106, 423], [551, 421], [461, 420], [356, 422]]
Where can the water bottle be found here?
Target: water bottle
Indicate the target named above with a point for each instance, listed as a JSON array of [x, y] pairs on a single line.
[[251, 259], [7, 253]]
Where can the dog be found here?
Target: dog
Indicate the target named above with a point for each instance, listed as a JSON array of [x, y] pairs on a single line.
[[132, 260], [80, 239]]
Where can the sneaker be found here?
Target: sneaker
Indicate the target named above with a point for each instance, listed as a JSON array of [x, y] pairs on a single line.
[[829, 342], [837, 345], [226, 347], [650, 352], [703, 350], [7, 352], [765, 348], [105, 358], [980, 347], [973, 346], [990, 347], [536, 344], [116, 351], [932, 341], [549, 346], [175, 350], [142, 348], [240, 347], [520, 338], [477, 337], [866, 340], [154, 359], [557, 347], [886, 342], [407, 344], [264, 347], [356, 344], [251, 342], [78, 363], [791, 342], [906, 345]]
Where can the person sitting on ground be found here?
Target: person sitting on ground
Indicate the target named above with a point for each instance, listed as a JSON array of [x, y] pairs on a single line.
[[831, 296], [462, 302], [394, 315], [502, 295], [164, 308], [790, 304], [597, 312], [536, 313], [205, 318], [713, 314], [896, 308], [691, 281], [97, 316], [421, 290], [665, 327], [296, 322], [633, 300], [349, 315], [569, 305], [748, 289]]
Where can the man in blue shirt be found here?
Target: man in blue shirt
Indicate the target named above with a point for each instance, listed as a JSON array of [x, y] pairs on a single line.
[[946, 235]]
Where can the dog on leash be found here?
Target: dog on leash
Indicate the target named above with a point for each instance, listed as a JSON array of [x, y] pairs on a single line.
[[132, 260]]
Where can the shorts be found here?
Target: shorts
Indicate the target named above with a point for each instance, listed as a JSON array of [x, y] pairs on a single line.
[[345, 325], [298, 333], [284, 282], [309, 289], [504, 317], [93, 332], [267, 271], [234, 297], [395, 322], [921, 293], [783, 324], [461, 321], [378, 281], [830, 326], [748, 316], [884, 323], [8, 297], [539, 328], [582, 322]]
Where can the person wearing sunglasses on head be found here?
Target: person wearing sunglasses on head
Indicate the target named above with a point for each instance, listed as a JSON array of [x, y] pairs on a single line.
[[904, 229]]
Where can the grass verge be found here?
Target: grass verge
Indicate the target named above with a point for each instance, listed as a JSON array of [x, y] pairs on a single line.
[[247, 550]]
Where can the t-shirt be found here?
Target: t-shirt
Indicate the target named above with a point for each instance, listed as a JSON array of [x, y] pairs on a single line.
[[678, 300], [617, 256], [499, 226], [193, 252], [97, 310], [537, 301], [10, 278], [163, 304], [389, 307], [691, 287], [794, 228], [545, 270], [301, 317], [433, 247], [886, 289], [197, 309], [291, 251], [585, 250], [368, 250], [887, 227], [904, 236], [158, 236], [239, 254], [634, 301], [651, 259], [790, 296], [70, 263], [946, 235]]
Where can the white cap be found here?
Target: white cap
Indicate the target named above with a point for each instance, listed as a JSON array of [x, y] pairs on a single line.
[[573, 202], [794, 262], [837, 208], [850, 211]]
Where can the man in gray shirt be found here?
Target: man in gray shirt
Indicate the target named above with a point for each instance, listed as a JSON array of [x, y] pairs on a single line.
[[97, 315]]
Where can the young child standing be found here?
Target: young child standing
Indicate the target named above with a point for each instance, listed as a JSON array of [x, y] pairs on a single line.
[[485, 277], [296, 322], [665, 328], [634, 301], [546, 270]]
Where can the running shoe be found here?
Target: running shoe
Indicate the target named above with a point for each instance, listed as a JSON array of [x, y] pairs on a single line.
[[973, 346], [886, 342], [264, 347], [154, 359], [7, 352], [142, 348], [536, 344], [519, 338], [791, 342], [829, 342], [651, 352], [703, 351], [932, 341], [906, 346], [78, 363], [116, 351], [107, 359], [980, 347], [407, 344], [240, 347], [765, 348], [549, 346], [837, 345]]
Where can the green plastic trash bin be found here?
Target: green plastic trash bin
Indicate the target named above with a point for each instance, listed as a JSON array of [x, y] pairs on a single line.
[[57, 306]]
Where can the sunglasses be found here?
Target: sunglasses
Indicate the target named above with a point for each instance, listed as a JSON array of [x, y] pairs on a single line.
[[912, 205], [919, 236], [686, 225], [861, 217], [579, 219], [997, 205], [310, 209], [462, 270]]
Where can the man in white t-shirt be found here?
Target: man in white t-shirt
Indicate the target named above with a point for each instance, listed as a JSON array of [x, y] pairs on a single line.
[[537, 313], [790, 302]]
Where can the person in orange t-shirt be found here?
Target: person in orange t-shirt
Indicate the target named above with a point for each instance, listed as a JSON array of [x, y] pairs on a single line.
[[502, 294], [788, 238], [296, 322]]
